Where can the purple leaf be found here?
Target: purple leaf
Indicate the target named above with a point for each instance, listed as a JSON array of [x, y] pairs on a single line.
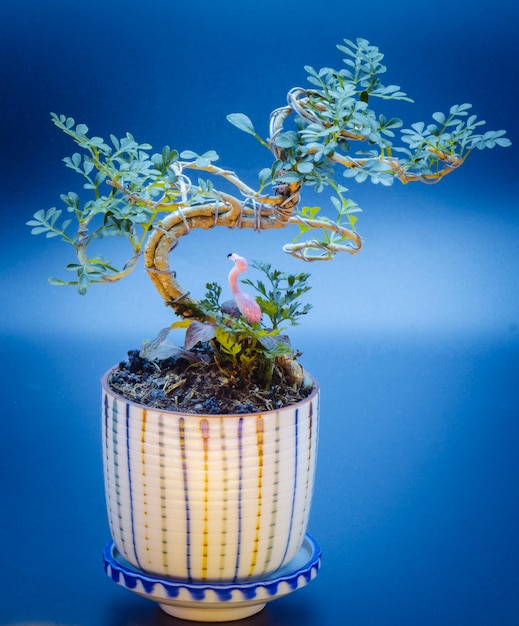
[[197, 332], [159, 349]]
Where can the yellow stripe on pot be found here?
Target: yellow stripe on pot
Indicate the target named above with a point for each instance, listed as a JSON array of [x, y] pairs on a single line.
[[259, 435]]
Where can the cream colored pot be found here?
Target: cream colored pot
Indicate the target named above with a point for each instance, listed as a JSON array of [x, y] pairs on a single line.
[[208, 497]]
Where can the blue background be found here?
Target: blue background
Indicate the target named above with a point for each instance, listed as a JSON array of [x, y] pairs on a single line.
[[415, 341]]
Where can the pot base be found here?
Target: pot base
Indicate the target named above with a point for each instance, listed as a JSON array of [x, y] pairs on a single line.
[[215, 602], [204, 614]]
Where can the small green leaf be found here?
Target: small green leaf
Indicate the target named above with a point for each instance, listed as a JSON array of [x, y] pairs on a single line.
[[265, 176], [189, 154], [241, 121], [74, 267], [181, 324], [310, 211], [439, 117], [289, 177], [210, 155], [289, 139], [40, 215], [304, 167], [337, 204], [115, 141], [38, 230], [228, 342]]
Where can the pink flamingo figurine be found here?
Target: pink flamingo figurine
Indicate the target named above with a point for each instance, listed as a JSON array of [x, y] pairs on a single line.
[[246, 304]]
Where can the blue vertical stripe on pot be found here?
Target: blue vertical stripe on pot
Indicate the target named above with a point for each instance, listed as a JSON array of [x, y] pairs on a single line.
[[225, 501], [204, 428], [182, 439], [130, 481]]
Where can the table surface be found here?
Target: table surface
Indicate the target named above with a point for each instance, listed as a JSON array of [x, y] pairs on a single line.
[[415, 505]]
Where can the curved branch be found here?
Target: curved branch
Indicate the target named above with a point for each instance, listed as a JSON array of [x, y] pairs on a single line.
[[231, 212], [277, 119], [228, 175], [258, 211], [451, 162], [128, 268], [298, 101], [326, 250]]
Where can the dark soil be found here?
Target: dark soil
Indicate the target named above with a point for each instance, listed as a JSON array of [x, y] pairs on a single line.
[[177, 385]]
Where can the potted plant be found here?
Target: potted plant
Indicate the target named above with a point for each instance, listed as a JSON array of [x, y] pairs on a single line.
[[210, 447]]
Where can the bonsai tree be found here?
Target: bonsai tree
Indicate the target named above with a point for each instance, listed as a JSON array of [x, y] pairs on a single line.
[[326, 134]]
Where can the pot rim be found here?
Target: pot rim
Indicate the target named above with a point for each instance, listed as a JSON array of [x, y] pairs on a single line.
[[108, 390]]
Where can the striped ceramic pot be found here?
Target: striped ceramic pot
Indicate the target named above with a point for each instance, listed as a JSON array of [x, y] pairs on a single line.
[[208, 497]]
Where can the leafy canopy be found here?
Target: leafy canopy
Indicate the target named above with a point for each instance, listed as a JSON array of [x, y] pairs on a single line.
[[327, 134]]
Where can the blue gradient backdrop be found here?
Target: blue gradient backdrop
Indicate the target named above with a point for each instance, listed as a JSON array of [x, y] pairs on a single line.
[[415, 340]]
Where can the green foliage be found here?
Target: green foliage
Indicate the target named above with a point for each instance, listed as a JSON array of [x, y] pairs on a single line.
[[279, 298], [333, 125], [45, 222], [327, 132], [201, 160], [107, 212], [248, 351], [450, 138], [244, 352], [336, 124], [211, 302], [126, 191], [244, 123]]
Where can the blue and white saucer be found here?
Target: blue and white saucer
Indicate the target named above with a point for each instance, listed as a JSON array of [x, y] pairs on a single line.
[[215, 602]]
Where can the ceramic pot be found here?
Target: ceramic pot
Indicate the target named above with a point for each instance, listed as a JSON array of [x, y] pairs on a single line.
[[217, 498]]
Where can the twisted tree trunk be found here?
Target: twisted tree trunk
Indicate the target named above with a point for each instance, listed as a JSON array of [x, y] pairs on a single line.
[[265, 214], [230, 213]]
